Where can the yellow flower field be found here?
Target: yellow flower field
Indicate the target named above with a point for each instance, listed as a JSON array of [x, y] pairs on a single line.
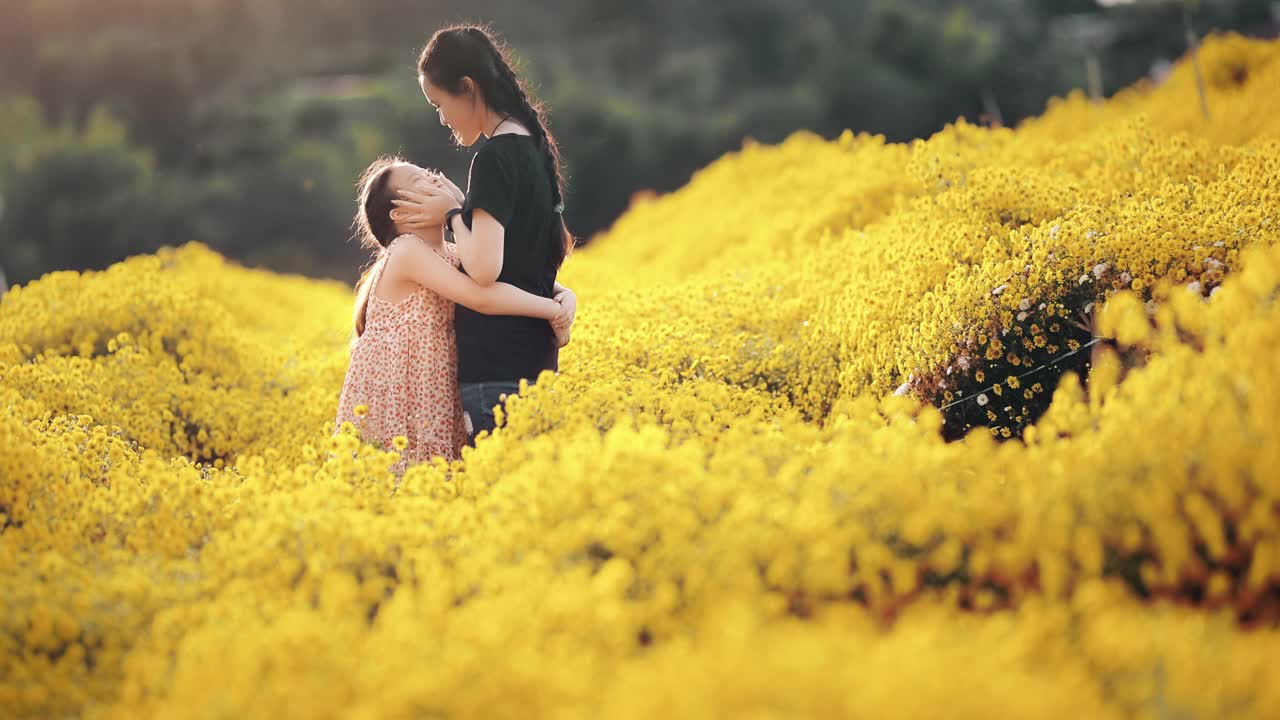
[[719, 508]]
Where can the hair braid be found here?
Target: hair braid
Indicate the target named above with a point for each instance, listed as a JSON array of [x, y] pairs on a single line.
[[529, 112]]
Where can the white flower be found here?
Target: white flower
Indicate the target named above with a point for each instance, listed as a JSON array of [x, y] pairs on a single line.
[[902, 389], [982, 399], [1195, 287], [1000, 289], [1024, 305], [1099, 269], [1022, 316]]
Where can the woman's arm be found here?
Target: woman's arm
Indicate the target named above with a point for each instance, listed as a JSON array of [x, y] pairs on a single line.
[[419, 264], [479, 246]]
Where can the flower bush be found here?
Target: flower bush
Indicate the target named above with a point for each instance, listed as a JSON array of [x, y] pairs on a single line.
[[720, 507]]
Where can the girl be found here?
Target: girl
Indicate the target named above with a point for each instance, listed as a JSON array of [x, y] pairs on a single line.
[[509, 226], [403, 374]]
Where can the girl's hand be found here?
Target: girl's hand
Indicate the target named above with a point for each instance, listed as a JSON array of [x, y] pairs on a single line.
[[423, 206], [562, 336], [568, 308], [562, 324]]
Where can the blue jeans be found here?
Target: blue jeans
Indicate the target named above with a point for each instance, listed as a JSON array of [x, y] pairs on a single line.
[[479, 399]]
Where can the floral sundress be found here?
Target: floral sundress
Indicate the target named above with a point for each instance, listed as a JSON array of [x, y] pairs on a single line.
[[404, 370]]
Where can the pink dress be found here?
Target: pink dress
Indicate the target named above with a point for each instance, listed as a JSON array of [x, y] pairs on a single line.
[[404, 368]]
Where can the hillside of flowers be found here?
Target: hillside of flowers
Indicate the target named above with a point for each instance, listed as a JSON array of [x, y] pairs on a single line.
[[979, 426]]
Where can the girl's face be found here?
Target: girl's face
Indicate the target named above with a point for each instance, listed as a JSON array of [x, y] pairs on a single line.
[[460, 113], [403, 177]]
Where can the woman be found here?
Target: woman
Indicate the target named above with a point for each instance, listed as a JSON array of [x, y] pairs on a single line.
[[508, 226]]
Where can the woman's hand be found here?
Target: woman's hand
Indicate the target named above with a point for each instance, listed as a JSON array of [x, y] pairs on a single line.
[[423, 206]]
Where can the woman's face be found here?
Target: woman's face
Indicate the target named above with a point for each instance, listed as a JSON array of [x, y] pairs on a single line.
[[459, 113]]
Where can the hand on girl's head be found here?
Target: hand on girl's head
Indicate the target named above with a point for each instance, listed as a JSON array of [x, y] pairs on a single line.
[[438, 185], [428, 182], [430, 179], [423, 197], [430, 187], [423, 206]]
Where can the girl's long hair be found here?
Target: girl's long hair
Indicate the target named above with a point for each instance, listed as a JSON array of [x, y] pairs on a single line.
[[472, 51], [373, 225]]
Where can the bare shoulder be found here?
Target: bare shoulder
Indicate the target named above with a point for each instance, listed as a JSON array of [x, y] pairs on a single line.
[[409, 245], [399, 250], [408, 249]]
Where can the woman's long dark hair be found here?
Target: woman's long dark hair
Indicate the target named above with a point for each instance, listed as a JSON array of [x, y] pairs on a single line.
[[373, 224], [471, 51]]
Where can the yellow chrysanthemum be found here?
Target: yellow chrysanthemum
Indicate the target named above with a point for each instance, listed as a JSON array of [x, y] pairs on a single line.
[[730, 513]]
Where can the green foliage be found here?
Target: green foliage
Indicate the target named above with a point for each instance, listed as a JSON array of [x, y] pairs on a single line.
[[81, 198], [259, 114]]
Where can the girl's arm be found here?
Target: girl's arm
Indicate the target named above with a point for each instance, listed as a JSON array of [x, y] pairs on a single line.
[[418, 263]]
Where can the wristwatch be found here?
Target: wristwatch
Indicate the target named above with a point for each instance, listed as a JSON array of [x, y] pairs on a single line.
[[448, 218]]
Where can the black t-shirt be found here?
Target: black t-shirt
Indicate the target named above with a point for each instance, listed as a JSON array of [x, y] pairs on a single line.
[[509, 180]]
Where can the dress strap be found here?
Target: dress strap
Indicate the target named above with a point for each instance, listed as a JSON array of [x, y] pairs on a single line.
[[451, 253]]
